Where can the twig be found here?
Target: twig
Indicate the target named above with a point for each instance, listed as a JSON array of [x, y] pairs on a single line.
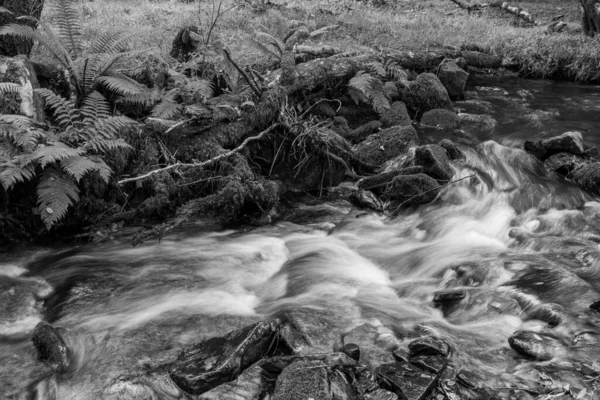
[[431, 190], [241, 71], [203, 163]]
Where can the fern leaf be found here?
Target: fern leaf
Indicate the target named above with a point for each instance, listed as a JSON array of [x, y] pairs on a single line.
[[104, 146], [5, 10], [13, 172], [57, 151], [66, 19], [78, 166], [121, 85], [395, 71], [95, 107], [25, 139], [9, 87], [56, 192], [112, 42], [17, 121], [110, 128], [165, 110], [362, 82], [378, 99], [63, 109], [377, 68], [144, 99]]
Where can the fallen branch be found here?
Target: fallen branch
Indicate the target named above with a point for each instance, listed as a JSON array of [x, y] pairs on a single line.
[[317, 50], [251, 82], [468, 7], [518, 11], [203, 163]]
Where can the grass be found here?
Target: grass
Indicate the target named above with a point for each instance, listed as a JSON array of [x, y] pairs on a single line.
[[407, 25]]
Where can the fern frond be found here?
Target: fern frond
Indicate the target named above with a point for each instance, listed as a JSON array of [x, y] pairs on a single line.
[[5, 10], [378, 98], [377, 68], [111, 127], [9, 87], [145, 99], [54, 152], [17, 121], [106, 145], [371, 88], [272, 41], [121, 85], [25, 139], [395, 71], [66, 19], [63, 109], [166, 110], [78, 166], [13, 172], [56, 192], [113, 42], [362, 82], [95, 107]]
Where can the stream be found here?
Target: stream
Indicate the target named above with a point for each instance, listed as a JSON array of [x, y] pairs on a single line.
[[519, 240]]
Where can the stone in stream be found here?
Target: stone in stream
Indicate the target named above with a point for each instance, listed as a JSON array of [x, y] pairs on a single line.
[[51, 346], [449, 296], [376, 344], [352, 350], [429, 346], [426, 93], [435, 161], [453, 151], [454, 79], [364, 131], [477, 123], [407, 381], [433, 364], [377, 183], [249, 385], [568, 142], [381, 394], [222, 359], [587, 176], [533, 345], [303, 380], [396, 115], [440, 119], [563, 163], [385, 145], [412, 189]]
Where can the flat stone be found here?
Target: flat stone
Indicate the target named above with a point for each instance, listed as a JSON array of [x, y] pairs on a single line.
[[433, 364], [407, 381], [449, 296], [532, 345], [440, 119], [568, 142], [385, 145], [303, 380], [429, 345]]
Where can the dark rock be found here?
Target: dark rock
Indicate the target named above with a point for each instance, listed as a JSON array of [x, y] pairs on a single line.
[[454, 153], [290, 341], [50, 346], [249, 385], [441, 119], [400, 355], [341, 127], [407, 381], [449, 296], [373, 350], [563, 163], [364, 380], [352, 350], [356, 196], [303, 380], [454, 79], [222, 359], [185, 43], [378, 182], [429, 346], [595, 306], [435, 161], [385, 145], [466, 379], [391, 91], [364, 131], [587, 176], [396, 115], [551, 314], [533, 345], [568, 142], [426, 93], [478, 122], [433, 364], [381, 394], [339, 387], [413, 189]]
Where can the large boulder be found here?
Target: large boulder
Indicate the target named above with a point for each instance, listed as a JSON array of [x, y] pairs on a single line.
[[222, 359], [568, 142], [435, 161], [534, 345], [396, 115], [51, 346], [364, 131], [413, 189], [385, 145], [440, 119], [426, 93], [454, 79]]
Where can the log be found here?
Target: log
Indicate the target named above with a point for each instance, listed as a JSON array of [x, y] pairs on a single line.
[[11, 45], [517, 11], [467, 6]]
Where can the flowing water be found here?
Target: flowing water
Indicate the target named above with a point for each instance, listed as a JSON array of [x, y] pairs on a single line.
[[522, 243]]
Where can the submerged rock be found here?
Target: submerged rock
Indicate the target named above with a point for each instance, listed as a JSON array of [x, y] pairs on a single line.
[[352, 350], [568, 142], [413, 189], [429, 346], [587, 176], [454, 79], [478, 122], [440, 119], [222, 359], [51, 346], [385, 145], [426, 93], [533, 345], [375, 350], [435, 161], [359, 197], [396, 115]]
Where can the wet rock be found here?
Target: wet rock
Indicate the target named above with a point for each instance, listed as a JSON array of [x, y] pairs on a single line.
[[449, 296], [441, 119], [356, 196], [385, 145], [364, 131], [381, 394], [352, 350], [595, 306], [391, 91], [375, 350], [532, 345], [290, 341], [454, 79], [396, 115], [587, 176], [429, 346], [407, 381], [466, 379], [435, 161], [478, 122], [364, 380], [475, 106], [401, 355], [339, 386], [377, 182], [222, 359], [568, 142], [454, 153], [303, 380], [50, 346], [426, 93], [563, 163], [433, 364], [341, 127], [413, 189]]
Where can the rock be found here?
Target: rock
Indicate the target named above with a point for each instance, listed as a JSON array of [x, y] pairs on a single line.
[[356, 196], [222, 359], [595, 306], [396, 115], [433, 364], [364, 131], [385, 145], [479, 123], [426, 93], [533, 345], [454, 79], [352, 350], [454, 153], [449, 296], [381, 394], [440, 119], [364, 380], [341, 127], [413, 189], [391, 91], [303, 380], [375, 350], [185, 43], [466, 379], [339, 387], [429, 346], [475, 106], [563, 163], [568, 142], [50, 346], [587, 176], [290, 340], [249, 385], [323, 109], [378, 182], [407, 381], [435, 161]]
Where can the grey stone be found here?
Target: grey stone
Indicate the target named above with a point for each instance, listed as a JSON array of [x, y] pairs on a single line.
[[413, 189], [50, 346], [396, 115], [364, 131], [385, 145], [441, 119], [435, 161], [426, 93], [454, 79], [568, 142]]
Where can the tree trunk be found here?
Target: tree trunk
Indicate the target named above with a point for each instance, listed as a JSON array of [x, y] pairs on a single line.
[[9, 45], [590, 17]]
